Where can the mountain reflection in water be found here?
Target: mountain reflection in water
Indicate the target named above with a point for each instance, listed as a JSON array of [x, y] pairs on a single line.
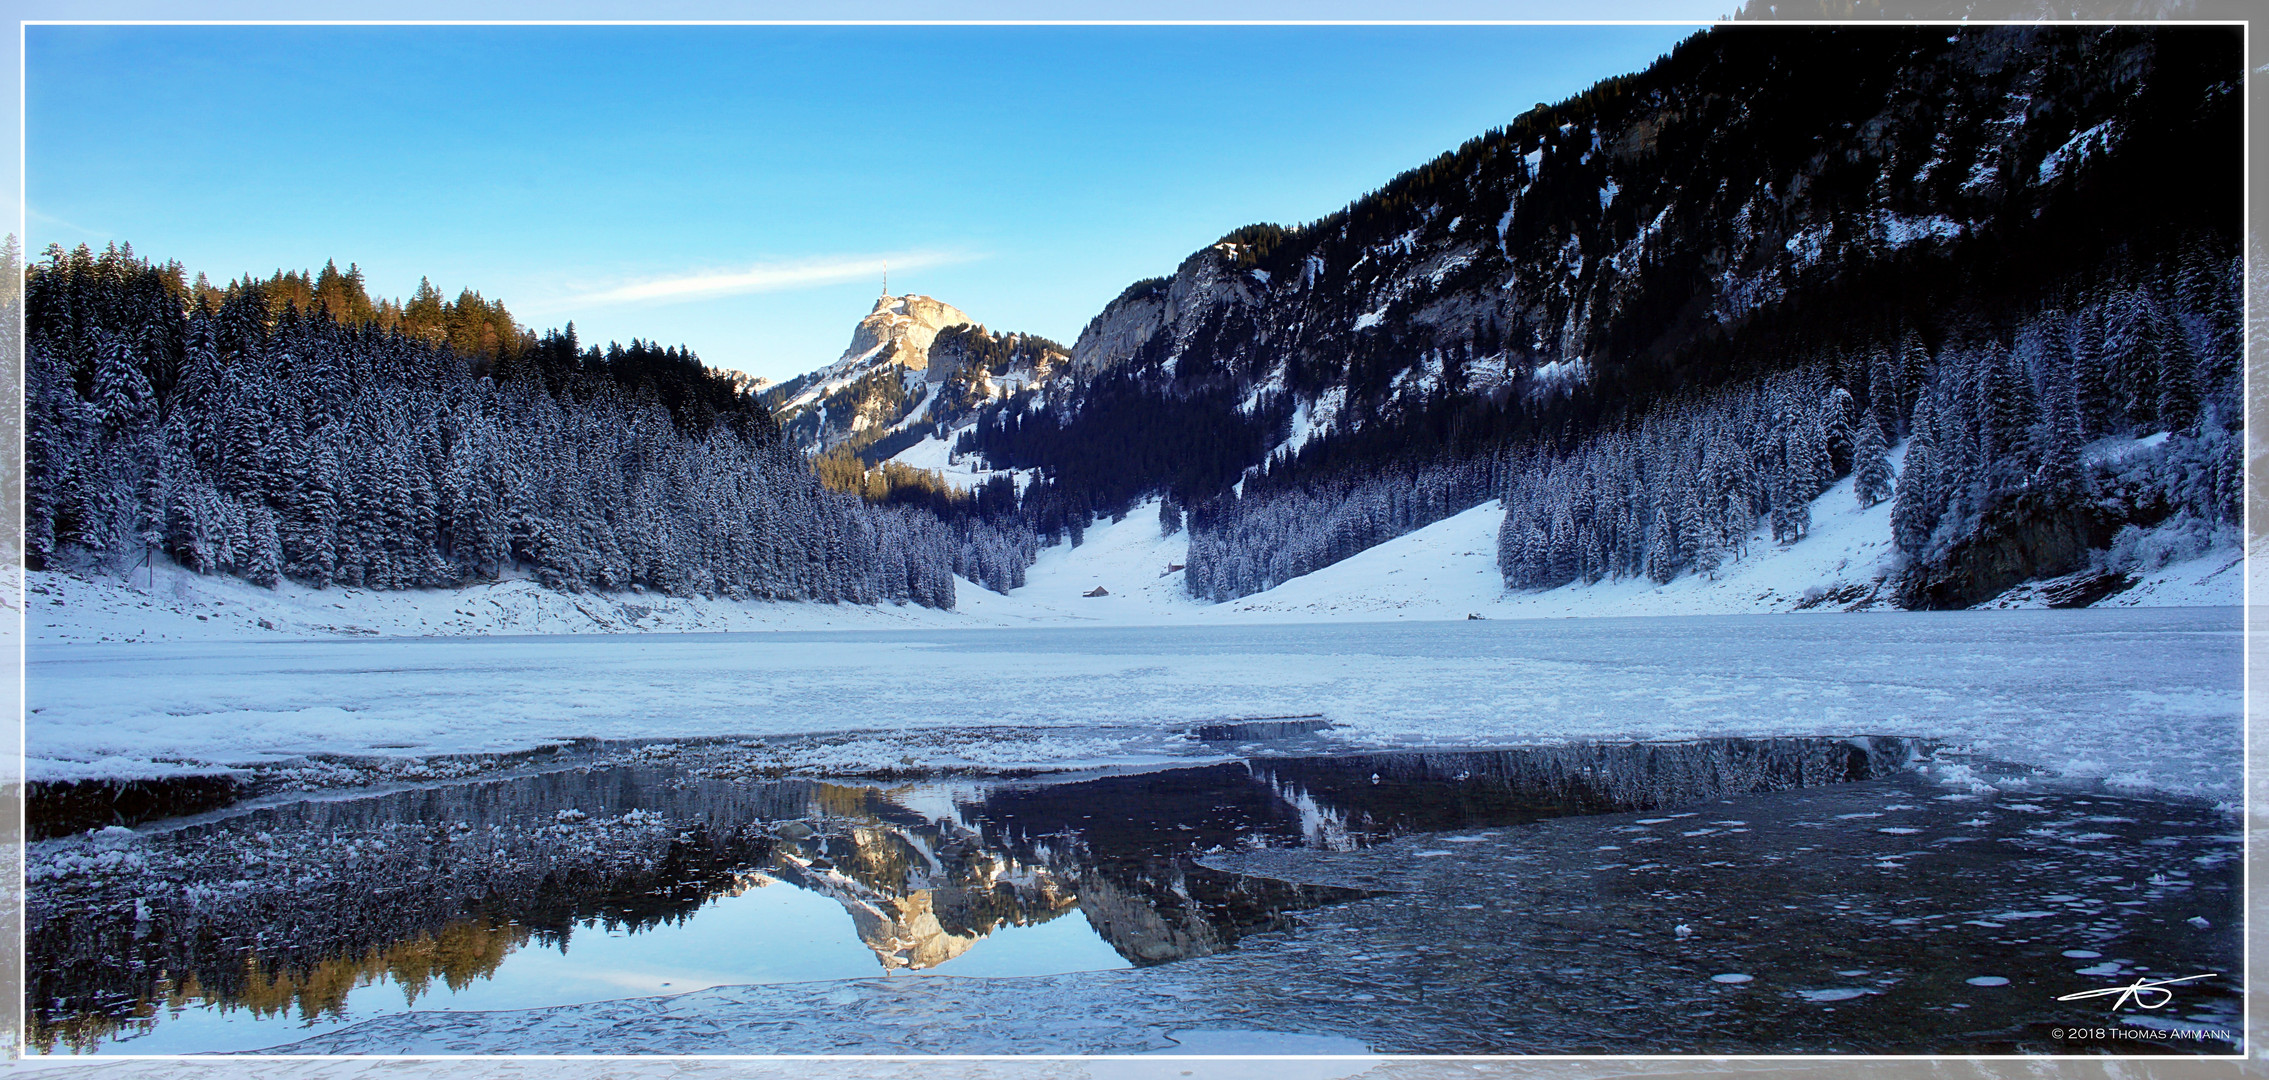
[[267, 922]]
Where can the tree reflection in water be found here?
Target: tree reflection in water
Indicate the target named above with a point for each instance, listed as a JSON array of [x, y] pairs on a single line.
[[284, 910]]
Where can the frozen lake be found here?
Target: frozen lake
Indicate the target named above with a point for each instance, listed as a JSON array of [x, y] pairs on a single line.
[[2148, 699], [753, 840]]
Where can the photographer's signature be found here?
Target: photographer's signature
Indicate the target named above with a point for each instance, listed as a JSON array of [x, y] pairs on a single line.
[[2137, 993]]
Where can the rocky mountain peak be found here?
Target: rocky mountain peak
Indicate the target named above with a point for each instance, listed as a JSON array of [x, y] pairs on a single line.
[[900, 329]]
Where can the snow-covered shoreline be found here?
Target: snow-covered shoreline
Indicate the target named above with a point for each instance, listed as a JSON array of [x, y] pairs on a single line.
[[1444, 571]]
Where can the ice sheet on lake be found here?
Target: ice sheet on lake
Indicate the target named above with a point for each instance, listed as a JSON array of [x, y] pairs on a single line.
[[2148, 699]]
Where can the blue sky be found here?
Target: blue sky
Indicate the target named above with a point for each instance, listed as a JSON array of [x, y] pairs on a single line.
[[733, 189]]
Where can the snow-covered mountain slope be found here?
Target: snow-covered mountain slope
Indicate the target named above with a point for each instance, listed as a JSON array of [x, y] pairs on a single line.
[[1446, 570], [1692, 242], [1602, 233]]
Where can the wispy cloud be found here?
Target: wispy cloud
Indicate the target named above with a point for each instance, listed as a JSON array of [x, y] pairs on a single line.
[[37, 215], [778, 276]]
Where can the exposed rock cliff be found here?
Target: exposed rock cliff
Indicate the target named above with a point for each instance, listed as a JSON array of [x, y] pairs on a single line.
[[877, 384], [899, 330]]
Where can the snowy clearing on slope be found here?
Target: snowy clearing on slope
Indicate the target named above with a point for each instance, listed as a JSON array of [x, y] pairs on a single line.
[[935, 454], [1443, 571], [1129, 560], [2144, 698], [1448, 570]]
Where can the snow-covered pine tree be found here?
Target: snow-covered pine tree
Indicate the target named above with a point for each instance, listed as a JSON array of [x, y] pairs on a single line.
[[1662, 561], [1914, 369], [264, 562], [1883, 394], [2093, 396], [2177, 406], [1914, 510], [1871, 472], [2131, 324], [2008, 413]]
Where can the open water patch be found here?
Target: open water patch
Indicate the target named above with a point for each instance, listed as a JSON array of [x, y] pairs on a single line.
[[302, 920]]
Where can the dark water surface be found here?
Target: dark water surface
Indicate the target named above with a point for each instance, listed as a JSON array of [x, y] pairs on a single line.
[[1400, 900]]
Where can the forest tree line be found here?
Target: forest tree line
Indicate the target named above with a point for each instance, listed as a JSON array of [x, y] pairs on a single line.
[[271, 442]]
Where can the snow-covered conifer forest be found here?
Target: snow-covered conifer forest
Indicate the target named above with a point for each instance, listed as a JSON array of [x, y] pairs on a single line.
[[259, 438]]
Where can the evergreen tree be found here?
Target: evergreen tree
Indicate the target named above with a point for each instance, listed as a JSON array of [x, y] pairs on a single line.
[[1914, 369], [2093, 398], [1871, 476], [1883, 393], [2177, 407], [1915, 508], [1169, 516], [2131, 324], [264, 562], [2007, 417], [1662, 561]]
